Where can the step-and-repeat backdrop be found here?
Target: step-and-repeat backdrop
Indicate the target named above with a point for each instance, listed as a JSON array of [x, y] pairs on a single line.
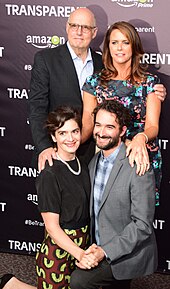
[[25, 28]]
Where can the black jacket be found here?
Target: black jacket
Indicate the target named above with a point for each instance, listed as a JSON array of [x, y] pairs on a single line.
[[54, 82]]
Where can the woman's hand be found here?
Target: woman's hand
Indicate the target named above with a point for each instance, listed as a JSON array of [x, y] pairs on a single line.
[[137, 153], [88, 260]]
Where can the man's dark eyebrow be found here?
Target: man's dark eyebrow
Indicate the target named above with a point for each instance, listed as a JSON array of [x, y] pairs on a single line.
[[111, 125]]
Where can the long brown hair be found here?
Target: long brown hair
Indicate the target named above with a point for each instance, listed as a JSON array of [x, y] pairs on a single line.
[[137, 68]]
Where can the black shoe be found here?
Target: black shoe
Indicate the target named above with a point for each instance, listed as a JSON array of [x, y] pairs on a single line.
[[4, 279]]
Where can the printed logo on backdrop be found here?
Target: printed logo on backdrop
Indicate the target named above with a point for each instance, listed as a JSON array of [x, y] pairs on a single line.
[[24, 246], [22, 172], [153, 58], [168, 262], [145, 29], [2, 207], [156, 58], [45, 41], [17, 93], [39, 10], [29, 147], [2, 131], [134, 3], [28, 67], [33, 198], [163, 144], [158, 224], [34, 223], [1, 51]]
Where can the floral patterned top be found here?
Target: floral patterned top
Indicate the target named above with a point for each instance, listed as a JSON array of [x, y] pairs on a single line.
[[133, 97]]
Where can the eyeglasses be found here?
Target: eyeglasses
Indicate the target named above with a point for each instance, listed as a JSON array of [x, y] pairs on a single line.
[[84, 28]]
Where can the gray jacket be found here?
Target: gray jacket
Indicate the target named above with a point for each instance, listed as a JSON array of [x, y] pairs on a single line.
[[126, 219]]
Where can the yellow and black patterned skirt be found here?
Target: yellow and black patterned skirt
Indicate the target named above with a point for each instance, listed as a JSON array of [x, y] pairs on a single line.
[[54, 265]]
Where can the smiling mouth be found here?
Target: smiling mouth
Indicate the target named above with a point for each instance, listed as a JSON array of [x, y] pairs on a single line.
[[102, 138], [70, 145]]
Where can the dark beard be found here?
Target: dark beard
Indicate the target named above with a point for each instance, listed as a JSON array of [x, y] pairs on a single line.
[[113, 142]]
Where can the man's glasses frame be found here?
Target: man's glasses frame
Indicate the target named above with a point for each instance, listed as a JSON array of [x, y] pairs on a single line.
[[84, 28]]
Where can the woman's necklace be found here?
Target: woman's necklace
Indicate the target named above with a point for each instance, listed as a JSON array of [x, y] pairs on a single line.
[[70, 169]]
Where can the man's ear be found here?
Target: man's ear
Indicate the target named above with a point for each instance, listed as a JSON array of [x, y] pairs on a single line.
[[95, 33], [124, 129]]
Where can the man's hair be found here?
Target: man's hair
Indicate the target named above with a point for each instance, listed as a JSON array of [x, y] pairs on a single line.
[[57, 118], [122, 113]]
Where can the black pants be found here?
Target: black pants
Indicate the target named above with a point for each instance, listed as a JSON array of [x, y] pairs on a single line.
[[100, 276]]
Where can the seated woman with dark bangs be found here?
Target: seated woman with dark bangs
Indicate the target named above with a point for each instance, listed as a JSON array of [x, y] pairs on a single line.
[[63, 201]]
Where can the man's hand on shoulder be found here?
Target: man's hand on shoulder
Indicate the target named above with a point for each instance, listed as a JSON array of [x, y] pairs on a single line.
[[160, 91], [46, 155]]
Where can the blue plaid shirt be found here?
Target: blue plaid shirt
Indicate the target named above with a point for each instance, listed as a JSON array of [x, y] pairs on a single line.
[[103, 170]]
